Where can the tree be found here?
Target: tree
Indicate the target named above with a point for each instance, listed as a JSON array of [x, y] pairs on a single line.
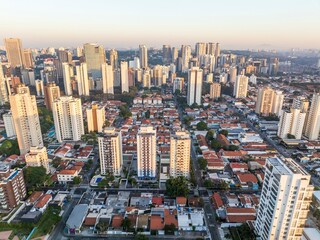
[[169, 229], [177, 187], [147, 114], [233, 148], [126, 224], [177, 92], [201, 126], [202, 163], [187, 120], [215, 144], [141, 237], [208, 183], [102, 226], [35, 176], [224, 132], [124, 112], [290, 136], [103, 183], [76, 180], [9, 147], [56, 162], [209, 135]]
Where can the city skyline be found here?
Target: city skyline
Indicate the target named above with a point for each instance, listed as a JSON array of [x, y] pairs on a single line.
[[270, 25]]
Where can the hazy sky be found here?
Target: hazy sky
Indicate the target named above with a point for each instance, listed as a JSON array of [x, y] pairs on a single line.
[[236, 24]]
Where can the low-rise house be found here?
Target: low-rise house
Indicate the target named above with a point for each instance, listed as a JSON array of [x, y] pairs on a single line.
[[67, 175], [42, 203], [240, 215]]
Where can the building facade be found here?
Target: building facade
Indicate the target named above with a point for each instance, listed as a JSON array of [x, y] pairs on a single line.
[[36, 157], [215, 90], [68, 119], [285, 199], [194, 86], [146, 152], [110, 152], [241, 87], [51, 93], [96, 116], [26, 119], [180, 144]]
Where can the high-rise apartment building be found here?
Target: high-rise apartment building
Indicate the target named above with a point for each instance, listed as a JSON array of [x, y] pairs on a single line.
[[313, 123], [291, 122], [232, 74], [277, 103], [124, 77], [26, 120], [174, 54], [200, 49], [143, 54], [9, 124], [180, 144], [114, 59], [146, 152], [39, 88], [240, 89], [28, 58], [96, 116], [301, 103], [107, 78], [178, 84], [211, 48], [95, 56], [110, 152], [185, 57], [37, 157], [12, 187], [3, 88], [265, 101], [82, 79], [285, 199], [64, 56], [67, 73], [166, 54], [14, 52], [215, 90], [51, 93], [146, 79], [195, 76], [68, 119]]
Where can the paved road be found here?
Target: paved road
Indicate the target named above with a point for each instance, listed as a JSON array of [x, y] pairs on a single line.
[[58, 230]]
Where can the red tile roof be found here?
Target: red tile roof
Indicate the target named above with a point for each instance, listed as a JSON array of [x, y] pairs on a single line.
[[156, 223], [181, 200], [157, 200], [44, 199], [217, 200], [246, 177], [34, 196], [116, 221]]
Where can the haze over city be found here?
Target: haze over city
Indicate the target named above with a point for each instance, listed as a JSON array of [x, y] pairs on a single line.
[[126, 24]]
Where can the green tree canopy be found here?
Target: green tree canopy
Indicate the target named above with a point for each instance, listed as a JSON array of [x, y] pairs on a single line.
[[76, 180], [290, 136], [233, 148], [224, 132], [177, 187], [203, 163], [126, 224], [9, 147], [201, 126], [209, 135], [124, 111], [35, 176], [215, 144]]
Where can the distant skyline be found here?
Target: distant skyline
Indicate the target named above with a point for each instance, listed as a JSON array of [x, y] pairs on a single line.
[[125, 24]]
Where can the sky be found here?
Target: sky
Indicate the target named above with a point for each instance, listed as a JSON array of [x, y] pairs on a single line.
[[236, 24]]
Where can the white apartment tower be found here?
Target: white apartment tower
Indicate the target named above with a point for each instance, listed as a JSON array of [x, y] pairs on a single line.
[[143, 54], [82, 79], [96, 116], [200, 49], [146, 152], [124, 77], [178, 84], [107, 78], [3, 89], [68, 120], [301, 103], [110, 152], [285, 199], [26, 120], [39, 87], [215, 90], [51, 93], [277, 103], [180, 154], [37, 157], [313, 123], [9, 124], [194, 86], [241, 87], [291, 122], [185, 56], [67, 73], [265, 101]]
